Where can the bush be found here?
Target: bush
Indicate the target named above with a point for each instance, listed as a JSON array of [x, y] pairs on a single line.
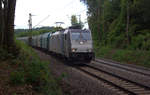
[[139, 57], [34, 72], [4, 55], [17, 77]]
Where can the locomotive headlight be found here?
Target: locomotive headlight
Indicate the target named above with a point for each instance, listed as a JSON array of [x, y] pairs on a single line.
[[74, 50], [81, 43], [89, 50]]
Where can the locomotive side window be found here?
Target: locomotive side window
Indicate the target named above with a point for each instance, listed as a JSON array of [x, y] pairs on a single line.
[[65, 37]]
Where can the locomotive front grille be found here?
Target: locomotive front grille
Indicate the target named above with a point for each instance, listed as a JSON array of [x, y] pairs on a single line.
[[82, 55]]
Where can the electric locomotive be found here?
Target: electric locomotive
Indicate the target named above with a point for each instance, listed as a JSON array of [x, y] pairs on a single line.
[[72, 44], [78, 45]]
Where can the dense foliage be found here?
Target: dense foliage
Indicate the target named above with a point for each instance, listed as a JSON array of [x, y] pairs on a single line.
[[36, 31], [120, 24]]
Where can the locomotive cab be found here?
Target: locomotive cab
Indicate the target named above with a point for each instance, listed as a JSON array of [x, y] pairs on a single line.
[[81, 45]]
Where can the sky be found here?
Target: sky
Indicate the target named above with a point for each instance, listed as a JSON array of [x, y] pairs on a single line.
[[51, 10]]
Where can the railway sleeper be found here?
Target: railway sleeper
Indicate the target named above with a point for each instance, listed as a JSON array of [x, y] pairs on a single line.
[[128, 85], [131, 89], [121, 93], [136, 88], [143, 92]]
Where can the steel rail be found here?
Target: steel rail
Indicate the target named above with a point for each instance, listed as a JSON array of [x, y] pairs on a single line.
[[114, 75], [108, 82], [146, 89], [123, 67]]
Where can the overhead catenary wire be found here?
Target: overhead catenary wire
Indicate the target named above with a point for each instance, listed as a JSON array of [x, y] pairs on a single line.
[[81, 11], [69, 4], [41, 21], [72, 2]]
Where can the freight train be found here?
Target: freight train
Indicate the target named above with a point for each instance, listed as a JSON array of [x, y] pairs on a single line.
[[71, 44]]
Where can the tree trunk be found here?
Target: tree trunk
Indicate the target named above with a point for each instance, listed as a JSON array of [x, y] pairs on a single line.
[[1, 23], [104, 27], [5, 9], [127, 26], [9, 25], [98, 22]]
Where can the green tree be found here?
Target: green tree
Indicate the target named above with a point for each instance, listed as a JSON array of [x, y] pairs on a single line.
[[118, 23], [76, 23], [74, 20]]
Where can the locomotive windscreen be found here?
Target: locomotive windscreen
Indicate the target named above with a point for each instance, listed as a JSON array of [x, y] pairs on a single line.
[[80, 35]]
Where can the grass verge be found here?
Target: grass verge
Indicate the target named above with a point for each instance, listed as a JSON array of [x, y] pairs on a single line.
[[137, 57], [28, 71]]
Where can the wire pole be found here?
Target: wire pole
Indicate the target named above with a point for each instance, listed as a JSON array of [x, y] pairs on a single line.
[[30, 22], [79, 18], [30, 28]]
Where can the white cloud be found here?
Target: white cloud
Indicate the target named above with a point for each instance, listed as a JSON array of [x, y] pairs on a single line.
[[59, 10]]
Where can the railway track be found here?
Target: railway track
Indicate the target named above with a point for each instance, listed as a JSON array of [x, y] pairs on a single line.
[[123, 67], [121, 85]]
